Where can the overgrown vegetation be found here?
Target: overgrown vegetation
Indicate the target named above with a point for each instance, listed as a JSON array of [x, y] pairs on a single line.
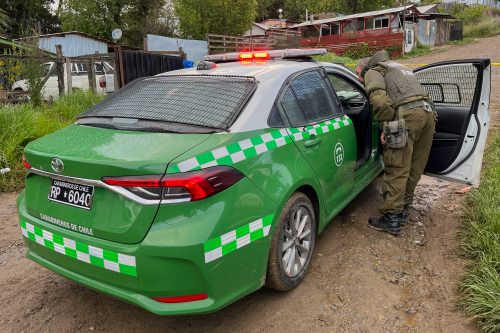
[[481, 243], [488, 26], [476, 21], [22, 123]]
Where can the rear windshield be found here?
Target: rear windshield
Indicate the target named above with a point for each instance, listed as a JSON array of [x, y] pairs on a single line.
[[199, 100]]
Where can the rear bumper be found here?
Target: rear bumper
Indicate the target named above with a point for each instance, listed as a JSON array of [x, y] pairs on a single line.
[[163, 267]]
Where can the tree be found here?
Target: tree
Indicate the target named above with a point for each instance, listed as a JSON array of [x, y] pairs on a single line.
[[148, 16], [136, 18], [95, 17], [360, 6], [227, 17], [26, 16]]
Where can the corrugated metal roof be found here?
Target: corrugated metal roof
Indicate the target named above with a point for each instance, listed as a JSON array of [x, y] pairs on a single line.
[[261, 25], [354, 16], [424, 9], [63, 34]]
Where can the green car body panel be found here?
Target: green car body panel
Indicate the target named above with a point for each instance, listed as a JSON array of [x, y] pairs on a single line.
[[218, 245]]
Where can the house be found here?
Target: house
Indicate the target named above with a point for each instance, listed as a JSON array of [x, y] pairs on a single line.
[[74, 43], [278, 23], [257, 29], [392, 28]]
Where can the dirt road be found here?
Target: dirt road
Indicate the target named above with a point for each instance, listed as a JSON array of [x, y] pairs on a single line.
[[360, 280]]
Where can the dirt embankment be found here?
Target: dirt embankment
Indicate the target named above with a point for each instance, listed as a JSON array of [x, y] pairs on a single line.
[[360, 280]]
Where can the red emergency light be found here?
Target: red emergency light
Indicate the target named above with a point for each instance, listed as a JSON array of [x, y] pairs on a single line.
[[264, 55], [254, 55]]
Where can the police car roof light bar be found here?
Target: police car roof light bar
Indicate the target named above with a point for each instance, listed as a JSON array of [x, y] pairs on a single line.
[[271, 54]]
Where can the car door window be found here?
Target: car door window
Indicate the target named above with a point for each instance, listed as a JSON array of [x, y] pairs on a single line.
[[293, 110], [344, 89], [309, 99]]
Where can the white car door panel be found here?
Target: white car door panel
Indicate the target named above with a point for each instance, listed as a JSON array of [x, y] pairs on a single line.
[[460, 91]]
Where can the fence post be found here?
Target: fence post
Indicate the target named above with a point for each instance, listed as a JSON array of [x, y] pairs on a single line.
[[60, 70], [115, 64], [91, 75], [69, 78]]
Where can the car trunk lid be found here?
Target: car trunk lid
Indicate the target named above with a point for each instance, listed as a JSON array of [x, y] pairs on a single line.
[[88, 154]]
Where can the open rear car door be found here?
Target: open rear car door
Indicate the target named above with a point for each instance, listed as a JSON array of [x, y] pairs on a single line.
[[460, 90]]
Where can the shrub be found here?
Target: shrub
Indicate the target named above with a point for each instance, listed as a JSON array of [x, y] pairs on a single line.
[[358, 51], [20, 124], [472, 14]]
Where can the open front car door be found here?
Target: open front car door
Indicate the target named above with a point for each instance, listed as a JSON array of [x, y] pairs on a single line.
[[460, 90]]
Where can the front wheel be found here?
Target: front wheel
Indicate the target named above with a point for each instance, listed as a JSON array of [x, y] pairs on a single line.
[[292, 244]]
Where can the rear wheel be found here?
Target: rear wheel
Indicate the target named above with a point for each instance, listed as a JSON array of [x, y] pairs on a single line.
[[292, 244]]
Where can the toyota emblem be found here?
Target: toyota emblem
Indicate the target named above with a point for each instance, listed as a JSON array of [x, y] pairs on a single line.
[[57, 164]]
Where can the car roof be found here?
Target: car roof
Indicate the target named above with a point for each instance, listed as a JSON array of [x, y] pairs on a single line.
[[259, 70], [270, 75]]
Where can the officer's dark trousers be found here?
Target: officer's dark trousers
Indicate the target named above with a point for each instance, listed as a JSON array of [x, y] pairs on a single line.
[[404, 166]]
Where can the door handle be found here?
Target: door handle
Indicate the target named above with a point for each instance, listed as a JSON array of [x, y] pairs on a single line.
[[312, 142]]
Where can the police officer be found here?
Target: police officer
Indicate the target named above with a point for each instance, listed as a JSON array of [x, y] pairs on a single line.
[[407, 119]]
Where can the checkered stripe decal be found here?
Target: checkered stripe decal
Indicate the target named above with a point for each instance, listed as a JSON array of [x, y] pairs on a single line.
[[103, 258], [218, 247], [244, 149], [319, 128]]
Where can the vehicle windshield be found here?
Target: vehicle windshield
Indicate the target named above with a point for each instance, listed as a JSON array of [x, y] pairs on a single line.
[[201, 101]]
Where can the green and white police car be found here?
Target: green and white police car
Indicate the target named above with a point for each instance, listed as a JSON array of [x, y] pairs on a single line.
[[186, 191]]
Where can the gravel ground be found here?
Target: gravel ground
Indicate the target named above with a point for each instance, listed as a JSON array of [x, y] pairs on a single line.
[[360, 280]]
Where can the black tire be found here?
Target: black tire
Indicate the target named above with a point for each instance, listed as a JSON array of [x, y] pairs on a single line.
[[277, 277]]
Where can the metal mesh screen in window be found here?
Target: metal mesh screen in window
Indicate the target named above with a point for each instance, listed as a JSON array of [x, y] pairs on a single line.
[[201, 100], [292, 109], [450, 85], [314, 96]]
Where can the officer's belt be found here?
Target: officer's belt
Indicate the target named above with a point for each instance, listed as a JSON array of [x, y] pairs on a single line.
[[416, 104]]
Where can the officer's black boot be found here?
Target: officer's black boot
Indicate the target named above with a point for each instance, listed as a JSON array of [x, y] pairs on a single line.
[[388, 222], [405, 217]]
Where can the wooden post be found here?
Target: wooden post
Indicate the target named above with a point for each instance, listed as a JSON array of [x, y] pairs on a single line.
[[116, 72], [60, 70], [120, 65], [69, 79], [91, 75]]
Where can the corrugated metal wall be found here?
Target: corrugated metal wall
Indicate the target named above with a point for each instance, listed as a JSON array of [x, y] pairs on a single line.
[[427, 32], [73, 45]]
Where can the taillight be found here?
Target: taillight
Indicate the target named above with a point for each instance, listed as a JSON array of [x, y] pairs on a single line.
[[179, 187], [25, 162], [102, 82], [181, 299]]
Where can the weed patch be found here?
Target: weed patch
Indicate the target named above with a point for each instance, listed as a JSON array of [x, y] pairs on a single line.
[[20, 124], [481, 243]]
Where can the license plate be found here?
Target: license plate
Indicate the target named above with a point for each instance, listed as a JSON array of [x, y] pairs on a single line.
[[76, 195]]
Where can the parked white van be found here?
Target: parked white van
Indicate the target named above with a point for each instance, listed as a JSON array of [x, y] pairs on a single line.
[[105, 79]]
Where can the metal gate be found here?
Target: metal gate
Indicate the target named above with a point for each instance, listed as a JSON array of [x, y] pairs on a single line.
[[136, 64]]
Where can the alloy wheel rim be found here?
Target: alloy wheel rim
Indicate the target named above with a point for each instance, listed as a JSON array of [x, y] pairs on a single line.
[[296, 241]]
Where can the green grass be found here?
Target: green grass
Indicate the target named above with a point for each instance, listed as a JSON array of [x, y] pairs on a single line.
[[332, 57], [22, 123], [487, 27], [465, 41], [481, 243], [418, 51]]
